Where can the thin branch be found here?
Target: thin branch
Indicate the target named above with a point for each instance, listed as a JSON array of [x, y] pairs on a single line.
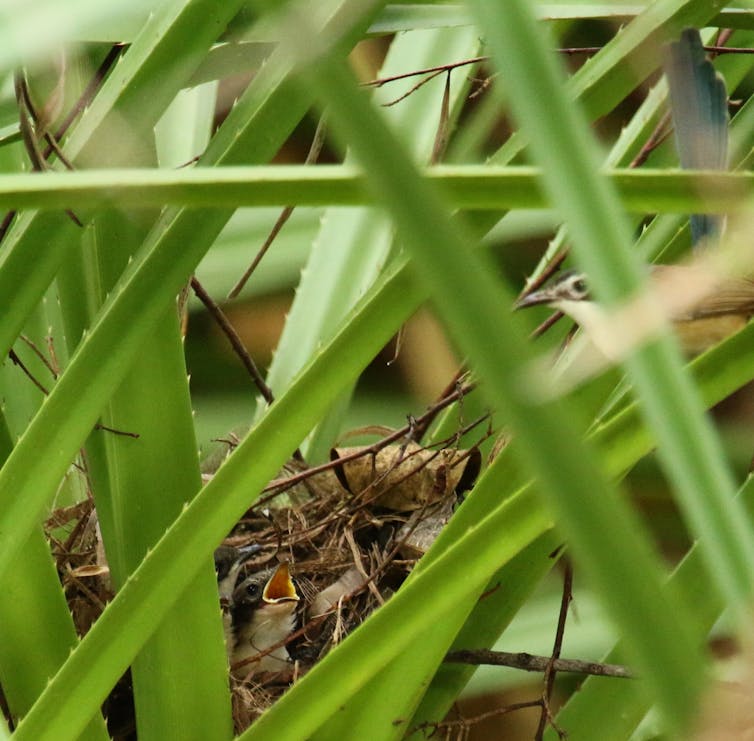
[[568, 51], [313, 155], [29, 133], [729, 50], [431, 76], [123, 433], [87, 96], [33, 347], [419, 427], [531, 663], [550, 269], [84, 100], [26, 114], [427, 70], [236, 343], [546, 716], [551, 320], [466, 723], [17, 361], [660, 133]]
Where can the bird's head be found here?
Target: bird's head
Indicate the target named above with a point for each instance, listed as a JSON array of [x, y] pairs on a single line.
[[570, 285], [268, 588], [229, 562]]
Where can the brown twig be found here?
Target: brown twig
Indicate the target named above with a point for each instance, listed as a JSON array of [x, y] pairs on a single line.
[[17, 361], [531, 663], [54, 365], [29, 133], [123, 433], [711, 48], [87, 96], [431, 76], [418, 427], [569, 51], [26, 114], [728, 49], [550, 269], [33, 347], [546, 715], [359, 564], [468, 722], [235, 341], [313, 155], [551, 320], [532, 285], [83, 101], [51, 367], [425, 71], [660, 133]]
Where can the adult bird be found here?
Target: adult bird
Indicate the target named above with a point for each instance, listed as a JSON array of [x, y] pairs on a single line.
[[703, 307], [703, 310]]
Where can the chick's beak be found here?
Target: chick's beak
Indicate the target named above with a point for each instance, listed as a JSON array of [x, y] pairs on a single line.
[[280, 587], [535, 298]]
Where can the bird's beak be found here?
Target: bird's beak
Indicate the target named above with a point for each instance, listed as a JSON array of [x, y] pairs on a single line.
[[535, 298], [280, 587]]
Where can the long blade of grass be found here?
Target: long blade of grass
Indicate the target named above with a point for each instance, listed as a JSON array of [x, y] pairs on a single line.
[[141, 485], [478, 187]]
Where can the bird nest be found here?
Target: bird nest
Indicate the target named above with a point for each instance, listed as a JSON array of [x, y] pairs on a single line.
[[350, 531]]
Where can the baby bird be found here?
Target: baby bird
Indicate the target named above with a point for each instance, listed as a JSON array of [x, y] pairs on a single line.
[[229, 563], [263, 614]]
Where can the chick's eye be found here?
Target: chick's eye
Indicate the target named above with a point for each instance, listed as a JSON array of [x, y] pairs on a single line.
[[252, 590]]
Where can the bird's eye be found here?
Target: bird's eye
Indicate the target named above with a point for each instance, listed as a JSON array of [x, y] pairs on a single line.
[[252, 589], [580, 286]]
